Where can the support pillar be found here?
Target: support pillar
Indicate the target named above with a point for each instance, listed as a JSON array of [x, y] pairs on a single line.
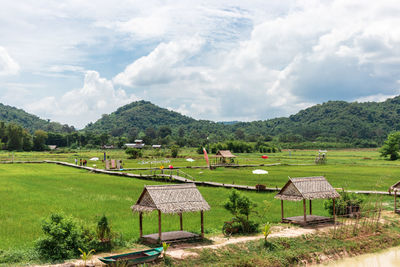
[[310, 208], [180, 219], [141, 223], [282, 210], [395, 201], [202, 223], [334, 212], [305, 211], [159, 225]]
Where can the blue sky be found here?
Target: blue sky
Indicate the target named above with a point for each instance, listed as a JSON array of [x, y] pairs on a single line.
[[71, 62]]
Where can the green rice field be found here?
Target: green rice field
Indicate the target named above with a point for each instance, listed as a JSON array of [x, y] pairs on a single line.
[[31, 192]]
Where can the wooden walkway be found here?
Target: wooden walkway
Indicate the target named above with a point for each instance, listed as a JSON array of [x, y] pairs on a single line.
[[170, 237], [310, 219]]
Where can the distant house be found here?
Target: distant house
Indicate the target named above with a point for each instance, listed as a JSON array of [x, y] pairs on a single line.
[[156, 146], [138, 144], [52, 147], [225, 157], [108, 147]]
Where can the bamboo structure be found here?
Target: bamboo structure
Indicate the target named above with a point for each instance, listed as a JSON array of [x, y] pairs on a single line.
[[307, 188], [395, 188], [172, 199]]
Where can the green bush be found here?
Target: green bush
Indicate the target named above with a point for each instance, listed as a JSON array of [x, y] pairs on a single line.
[[174, 151], [341, 204], [63, 236], [133, 153]]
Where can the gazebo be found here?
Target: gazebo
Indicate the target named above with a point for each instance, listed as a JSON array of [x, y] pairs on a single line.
[[172, 199], [395, 188], [307, 188], [225, 156]]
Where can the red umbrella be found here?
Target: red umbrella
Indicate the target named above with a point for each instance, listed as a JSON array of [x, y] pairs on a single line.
[[264, 156]]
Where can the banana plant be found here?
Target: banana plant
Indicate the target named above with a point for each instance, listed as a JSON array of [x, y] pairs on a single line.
[[86, 256], [267, 231]]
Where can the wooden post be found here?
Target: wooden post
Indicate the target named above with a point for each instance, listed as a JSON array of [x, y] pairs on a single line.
[[282, 209], [159, 225], [310, 208], [334, 212], [395, 201], [305, 210], [202, 223], [140, 224], [180, 219]]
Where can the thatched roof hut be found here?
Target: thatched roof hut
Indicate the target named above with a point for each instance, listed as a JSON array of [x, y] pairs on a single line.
[[225, 154], [307, 188], [177, 198], [395, 188], [172, 199], [297, 189]]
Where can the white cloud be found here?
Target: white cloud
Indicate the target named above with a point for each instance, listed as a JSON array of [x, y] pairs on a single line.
[[78, 107], [219, 60], [8, 66]]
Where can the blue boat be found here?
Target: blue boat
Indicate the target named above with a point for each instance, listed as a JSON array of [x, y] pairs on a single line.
[[132, 258]]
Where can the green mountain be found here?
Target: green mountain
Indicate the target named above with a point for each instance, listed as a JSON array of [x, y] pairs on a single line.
[[140, 115], [30, 122], [334, 121]]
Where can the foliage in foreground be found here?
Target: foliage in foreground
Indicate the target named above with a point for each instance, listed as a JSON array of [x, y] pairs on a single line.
[[345, 203], [293, 251], [64, 238], [240, 206]]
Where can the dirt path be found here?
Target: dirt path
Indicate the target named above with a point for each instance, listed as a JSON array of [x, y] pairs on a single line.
[[182, 251]]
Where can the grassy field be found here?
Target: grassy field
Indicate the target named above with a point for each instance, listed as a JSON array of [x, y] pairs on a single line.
[[30, 192]]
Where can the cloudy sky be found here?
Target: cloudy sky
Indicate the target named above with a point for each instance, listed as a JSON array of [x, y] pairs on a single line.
[[72, 61]]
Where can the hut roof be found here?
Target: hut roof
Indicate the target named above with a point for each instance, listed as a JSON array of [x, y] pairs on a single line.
[[307, 188], [225, 154], [396, 187], [171, 199]]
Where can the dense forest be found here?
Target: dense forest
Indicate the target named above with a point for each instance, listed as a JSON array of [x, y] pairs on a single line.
[[31, 122], [331, 124]]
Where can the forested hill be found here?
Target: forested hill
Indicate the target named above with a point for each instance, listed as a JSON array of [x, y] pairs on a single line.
[[30, 122], [335, 121], [140, 116]]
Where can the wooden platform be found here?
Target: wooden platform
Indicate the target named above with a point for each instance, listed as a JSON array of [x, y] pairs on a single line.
[[170, 237], [311, 219]]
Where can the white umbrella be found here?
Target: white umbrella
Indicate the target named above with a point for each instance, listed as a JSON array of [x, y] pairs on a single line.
[[94, 159], [260, 172], [190, 159]]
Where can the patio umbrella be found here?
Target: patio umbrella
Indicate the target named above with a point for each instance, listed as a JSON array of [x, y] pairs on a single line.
[[260, 172]]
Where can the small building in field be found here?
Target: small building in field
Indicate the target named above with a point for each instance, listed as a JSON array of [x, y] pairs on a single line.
[[156, 146], [170, 199], [225, 157], [138, 144], [307, 188], [107, 147], [52, 147]]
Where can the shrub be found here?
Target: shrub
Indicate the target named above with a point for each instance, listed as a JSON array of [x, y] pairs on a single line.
[[133, 153], [174, 151], [343, 203], [241, 206], [63, 237]]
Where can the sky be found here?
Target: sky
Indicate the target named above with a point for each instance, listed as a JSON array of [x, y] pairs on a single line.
[[71, 61]]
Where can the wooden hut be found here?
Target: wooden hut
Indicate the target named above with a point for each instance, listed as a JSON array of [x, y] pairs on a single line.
[[395, 188], [172, 199], [307, 188], [224, 157]]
